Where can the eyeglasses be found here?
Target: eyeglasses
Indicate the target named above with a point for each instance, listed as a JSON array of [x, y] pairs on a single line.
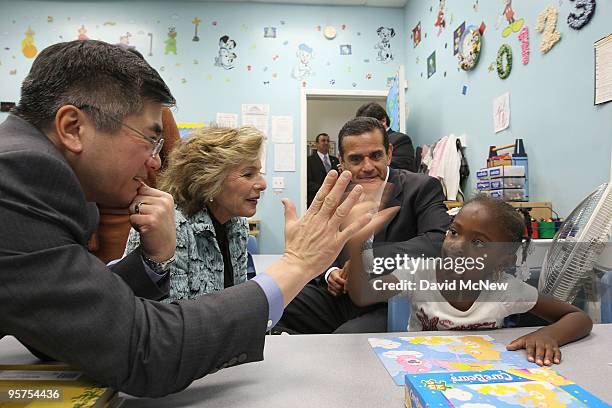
[[157, 143]]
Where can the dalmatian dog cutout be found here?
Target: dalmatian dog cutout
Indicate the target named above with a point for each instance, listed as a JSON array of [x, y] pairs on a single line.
[[226, 56], [385, 54]]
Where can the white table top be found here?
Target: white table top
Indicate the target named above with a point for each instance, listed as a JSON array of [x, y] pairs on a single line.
[[342, 371]]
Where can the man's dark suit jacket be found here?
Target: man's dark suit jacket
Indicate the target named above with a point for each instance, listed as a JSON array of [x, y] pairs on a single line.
[[418, 229], [403, 151], [59, 299], [316, 173], [420, 225]]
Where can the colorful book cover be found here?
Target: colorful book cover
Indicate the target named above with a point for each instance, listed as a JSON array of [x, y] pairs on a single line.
[[53, 386], [513, 388], [434, 354]]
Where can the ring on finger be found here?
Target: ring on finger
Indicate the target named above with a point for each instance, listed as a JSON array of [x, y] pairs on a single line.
[[137, 208]]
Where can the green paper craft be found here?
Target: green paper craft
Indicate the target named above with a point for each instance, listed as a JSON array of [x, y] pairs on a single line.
[[504, 72]]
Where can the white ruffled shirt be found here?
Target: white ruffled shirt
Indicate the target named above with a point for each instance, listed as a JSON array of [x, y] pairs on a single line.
[[431, 311]]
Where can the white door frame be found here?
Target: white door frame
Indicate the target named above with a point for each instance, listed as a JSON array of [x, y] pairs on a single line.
[[331, 94]]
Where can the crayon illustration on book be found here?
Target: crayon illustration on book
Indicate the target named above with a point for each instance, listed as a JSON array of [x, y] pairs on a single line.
[[57, 386], [434, 354], [519, 387]]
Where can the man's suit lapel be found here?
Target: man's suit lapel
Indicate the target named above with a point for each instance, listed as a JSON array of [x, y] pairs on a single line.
[[320, 165]]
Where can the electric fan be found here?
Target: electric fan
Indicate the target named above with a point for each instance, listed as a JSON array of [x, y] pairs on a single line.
[[581, 253]]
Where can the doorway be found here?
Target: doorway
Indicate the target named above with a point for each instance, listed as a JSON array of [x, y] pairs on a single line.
[[326, 111]]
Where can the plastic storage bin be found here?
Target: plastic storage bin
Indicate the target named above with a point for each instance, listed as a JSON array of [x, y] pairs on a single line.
[[488, 173], [508, 194], [501, 183]]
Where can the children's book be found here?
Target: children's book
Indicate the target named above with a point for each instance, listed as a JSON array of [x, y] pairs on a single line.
[[52, 386], [512, 388], [435, 354]]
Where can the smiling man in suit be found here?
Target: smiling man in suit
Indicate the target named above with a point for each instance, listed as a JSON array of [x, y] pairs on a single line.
[[403, 150], [417, 229], [318, 165]]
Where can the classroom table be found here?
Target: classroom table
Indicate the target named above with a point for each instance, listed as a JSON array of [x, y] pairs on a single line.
[[341, 370]]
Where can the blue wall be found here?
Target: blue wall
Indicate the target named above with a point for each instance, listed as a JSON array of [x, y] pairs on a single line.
[[203, 89], [567, 138]]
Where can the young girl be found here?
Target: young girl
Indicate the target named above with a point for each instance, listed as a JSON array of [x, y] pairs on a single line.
[[458, 294]]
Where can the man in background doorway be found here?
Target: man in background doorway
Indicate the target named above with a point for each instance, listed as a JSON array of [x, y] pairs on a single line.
[[318, 165], [403, 151]]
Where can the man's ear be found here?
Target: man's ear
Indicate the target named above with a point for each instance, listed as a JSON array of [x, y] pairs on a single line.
[[70, 124], [389, 154]]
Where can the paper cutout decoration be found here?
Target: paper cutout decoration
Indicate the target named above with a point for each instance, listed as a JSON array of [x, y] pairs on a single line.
[[431, 64], [27, 44], [547, 23], [150, 35], [269, 32], [124, 41], [346, 49], [470, 46], [457, 35], [475, 6], [303, 69], [440, 20], [385, 54], [82, 36], [501, 112], [226, 56], [170, 42], [196, 22], [524, 39], [513, 24], [503, 70], [416, 35], [577, 21]]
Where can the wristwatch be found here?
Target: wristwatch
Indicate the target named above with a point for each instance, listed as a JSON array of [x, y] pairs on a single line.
[[158, 267]]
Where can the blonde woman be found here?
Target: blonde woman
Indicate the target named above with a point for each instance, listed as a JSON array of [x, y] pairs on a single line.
[[214, 177]]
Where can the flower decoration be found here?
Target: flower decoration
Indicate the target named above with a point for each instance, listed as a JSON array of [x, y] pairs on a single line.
[[504, 71], [469, 51]]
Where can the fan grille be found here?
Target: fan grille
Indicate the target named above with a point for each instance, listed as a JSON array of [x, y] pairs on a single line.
[[577, 245]]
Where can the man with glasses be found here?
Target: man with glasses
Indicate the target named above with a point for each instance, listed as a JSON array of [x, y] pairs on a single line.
[[86, 129]]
